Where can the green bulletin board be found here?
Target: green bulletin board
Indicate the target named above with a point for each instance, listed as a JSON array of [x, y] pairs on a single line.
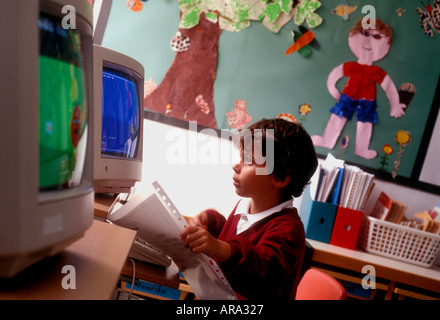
[[251, 66]]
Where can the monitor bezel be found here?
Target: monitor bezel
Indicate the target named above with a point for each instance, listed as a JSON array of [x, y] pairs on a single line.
[[115, 174]]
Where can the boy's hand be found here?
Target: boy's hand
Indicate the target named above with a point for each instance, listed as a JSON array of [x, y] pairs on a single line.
[[200, 220], [199, 240]]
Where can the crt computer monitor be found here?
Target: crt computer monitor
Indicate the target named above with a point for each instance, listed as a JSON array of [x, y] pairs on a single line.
[[46, 192], [118, 82]]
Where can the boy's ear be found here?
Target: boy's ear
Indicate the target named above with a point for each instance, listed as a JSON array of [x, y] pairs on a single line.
[[281, 182]]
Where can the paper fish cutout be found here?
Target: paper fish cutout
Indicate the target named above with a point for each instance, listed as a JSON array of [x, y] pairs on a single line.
[[180, 42], [301, 42], [203, 105], [239, 118], [344, 10], [287, 117], [430, 19]]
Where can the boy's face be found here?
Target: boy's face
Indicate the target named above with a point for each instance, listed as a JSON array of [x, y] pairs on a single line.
[[247, 178], [369, 45]]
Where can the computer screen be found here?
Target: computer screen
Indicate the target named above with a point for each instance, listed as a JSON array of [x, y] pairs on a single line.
[[63, 105], [120, 114]]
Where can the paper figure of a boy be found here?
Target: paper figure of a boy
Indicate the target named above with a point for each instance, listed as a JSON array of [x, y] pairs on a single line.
[[359, 93]]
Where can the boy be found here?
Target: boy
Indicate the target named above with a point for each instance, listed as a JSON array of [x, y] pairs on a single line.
[[359, 94], [260, 247]]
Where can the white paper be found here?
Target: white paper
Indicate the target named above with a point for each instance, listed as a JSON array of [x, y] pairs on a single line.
[[159, 223]]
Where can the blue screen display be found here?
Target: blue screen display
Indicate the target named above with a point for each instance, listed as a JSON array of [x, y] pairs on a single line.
[[120, 114]]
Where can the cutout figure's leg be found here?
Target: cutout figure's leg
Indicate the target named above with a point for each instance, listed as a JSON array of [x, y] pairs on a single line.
[[363, 136], [331, 133]]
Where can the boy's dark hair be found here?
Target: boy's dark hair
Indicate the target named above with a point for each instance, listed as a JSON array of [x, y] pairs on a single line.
[[294, 153]]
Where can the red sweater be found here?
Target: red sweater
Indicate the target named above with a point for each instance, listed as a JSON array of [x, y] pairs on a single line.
[[266, 259]]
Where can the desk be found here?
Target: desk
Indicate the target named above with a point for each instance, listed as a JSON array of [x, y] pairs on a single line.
[[102, 204], [162, 276], [394, 272], [98, 258]]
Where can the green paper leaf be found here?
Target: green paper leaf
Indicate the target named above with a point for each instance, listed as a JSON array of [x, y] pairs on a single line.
[[190, 19], [273, 10], [286, 5]]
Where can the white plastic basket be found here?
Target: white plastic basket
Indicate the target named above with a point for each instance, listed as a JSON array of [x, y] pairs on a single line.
[[398, 242]]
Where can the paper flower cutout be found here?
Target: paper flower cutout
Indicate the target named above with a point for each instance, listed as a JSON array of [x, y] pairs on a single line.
[[387, 150], [403, 138], [343, 144], [304, 109], [304, 11]]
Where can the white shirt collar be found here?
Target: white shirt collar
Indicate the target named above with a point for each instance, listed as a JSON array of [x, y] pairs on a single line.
[[247, 219]]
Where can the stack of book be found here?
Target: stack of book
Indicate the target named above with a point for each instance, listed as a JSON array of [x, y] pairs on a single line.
[[345, 185]]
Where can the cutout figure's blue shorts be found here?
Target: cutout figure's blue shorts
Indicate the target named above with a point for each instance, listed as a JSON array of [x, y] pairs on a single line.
[[366, 109]]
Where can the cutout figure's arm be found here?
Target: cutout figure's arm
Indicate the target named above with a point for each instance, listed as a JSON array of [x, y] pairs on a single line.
[[397, 108], [336, 74]]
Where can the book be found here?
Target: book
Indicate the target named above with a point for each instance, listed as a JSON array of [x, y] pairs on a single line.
[[388, 209], [356, 187], [381, 207], [337, 189], [158, 222]]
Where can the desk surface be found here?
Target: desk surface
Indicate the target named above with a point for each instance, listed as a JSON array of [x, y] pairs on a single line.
[[386, 268], [98, 258]]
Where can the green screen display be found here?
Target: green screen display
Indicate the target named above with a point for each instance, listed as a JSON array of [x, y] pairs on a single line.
[[62, 106]]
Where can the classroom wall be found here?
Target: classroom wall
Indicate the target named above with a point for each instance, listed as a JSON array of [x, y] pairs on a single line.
[[252, 67]]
